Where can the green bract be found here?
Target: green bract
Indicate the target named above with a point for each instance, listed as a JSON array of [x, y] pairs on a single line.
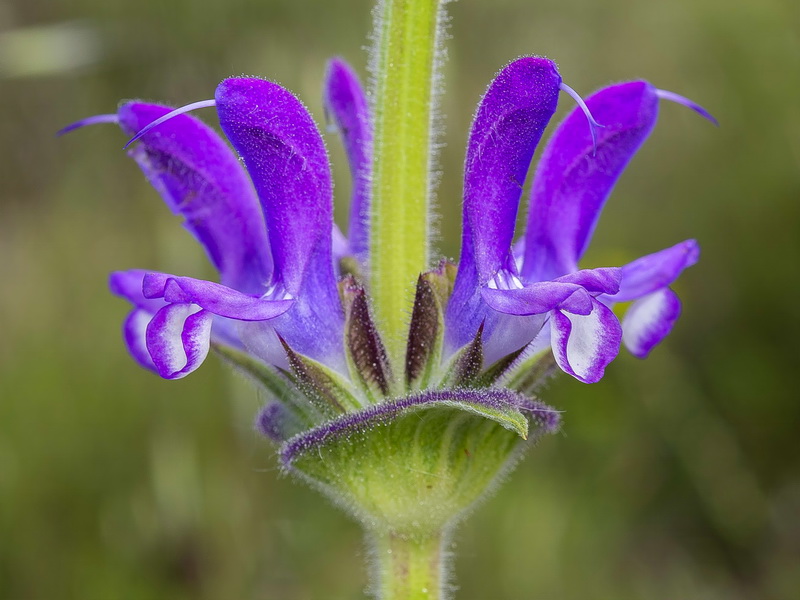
[[415, 464]]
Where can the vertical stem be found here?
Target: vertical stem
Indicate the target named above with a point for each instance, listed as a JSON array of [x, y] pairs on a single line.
[[409, 568], [404, 72]]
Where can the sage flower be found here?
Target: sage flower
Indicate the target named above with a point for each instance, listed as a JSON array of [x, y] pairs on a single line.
[[269, 234], [534, 292]]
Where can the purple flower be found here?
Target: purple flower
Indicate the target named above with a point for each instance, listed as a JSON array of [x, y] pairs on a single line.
[[270, 235], [291, 307], [533, 293]]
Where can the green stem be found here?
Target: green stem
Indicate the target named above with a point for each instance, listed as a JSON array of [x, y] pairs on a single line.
[[409, 568], [404, 71]]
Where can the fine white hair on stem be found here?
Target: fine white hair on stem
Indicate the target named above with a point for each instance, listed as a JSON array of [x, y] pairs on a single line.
[[437, 122], [436, 118]]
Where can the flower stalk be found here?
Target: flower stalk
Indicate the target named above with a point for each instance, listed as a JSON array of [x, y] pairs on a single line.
[[404, 67], [409, 567]]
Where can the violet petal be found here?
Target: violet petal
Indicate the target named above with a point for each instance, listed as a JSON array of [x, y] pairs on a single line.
[[128, 285], [214, 297], [509, 123], [570, 185], [134, 330], [340, 247], [178, 339], [286, 158], [570, 292], [346, 103], [654, 271], [539, 298], [201, 179], [605, 280], [584, 344], [649, 320]]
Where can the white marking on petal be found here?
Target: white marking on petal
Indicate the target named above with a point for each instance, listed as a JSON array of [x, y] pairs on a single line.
[[196, 337], [649, 320], [505, 280], [584, 344], [276, 292], [134, 330], [176, 341]]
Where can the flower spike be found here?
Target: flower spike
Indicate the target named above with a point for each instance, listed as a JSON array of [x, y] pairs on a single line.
[[168, 116], [404, 422], [95, 120], [678, 99], [593, 125]]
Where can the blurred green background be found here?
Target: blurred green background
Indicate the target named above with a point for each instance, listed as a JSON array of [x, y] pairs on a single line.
[[676, 477]]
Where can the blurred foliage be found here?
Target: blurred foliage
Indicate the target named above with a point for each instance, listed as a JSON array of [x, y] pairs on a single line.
[[676, 477]]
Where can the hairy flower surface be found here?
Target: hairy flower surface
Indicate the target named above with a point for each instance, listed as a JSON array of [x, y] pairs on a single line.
[[534, 293]]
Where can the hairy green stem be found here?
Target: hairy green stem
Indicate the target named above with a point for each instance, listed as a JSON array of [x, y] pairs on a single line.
[[404, 79], [409, 567]]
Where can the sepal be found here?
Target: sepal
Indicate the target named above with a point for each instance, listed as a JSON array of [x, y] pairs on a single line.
[[499, 368], [366, 354], [277, 387], [466, 365], [426, 330], [530, 372], [328, 391]]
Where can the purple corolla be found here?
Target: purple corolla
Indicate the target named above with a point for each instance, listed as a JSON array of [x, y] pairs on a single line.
[[267, 229], [534, 292], [284, 296]]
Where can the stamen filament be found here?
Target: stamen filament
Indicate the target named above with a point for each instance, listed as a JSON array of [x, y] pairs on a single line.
[[678, 99], [95, 120], [593, 125], [168, 116]]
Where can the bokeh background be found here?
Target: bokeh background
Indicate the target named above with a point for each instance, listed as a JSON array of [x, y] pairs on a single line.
[[676, 477]]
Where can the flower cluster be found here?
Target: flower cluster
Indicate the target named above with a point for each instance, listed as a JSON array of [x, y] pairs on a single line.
[[292, 305]]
